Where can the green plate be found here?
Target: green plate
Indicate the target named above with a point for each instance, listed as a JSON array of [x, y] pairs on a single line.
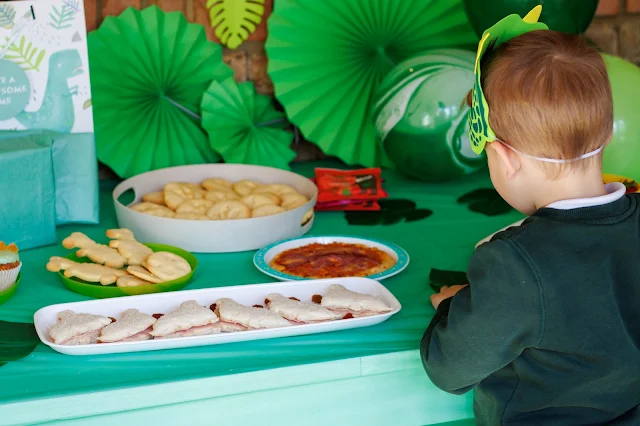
[[99, 291], [7, 294]]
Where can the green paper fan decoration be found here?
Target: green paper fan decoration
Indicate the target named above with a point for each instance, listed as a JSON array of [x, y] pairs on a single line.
[[327, 57], [149, 70], [235, 20], [244, 127]]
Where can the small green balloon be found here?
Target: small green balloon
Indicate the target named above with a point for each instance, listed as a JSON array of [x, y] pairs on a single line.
[[567, 16], [421, 118], [622, 155]]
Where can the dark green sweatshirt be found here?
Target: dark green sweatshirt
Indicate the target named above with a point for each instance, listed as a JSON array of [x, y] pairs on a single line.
[[548, 331]]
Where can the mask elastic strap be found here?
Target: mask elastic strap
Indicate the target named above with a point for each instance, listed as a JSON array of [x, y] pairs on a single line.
[[554, 160]]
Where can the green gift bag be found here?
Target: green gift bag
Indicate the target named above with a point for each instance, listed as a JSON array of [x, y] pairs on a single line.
[[75, 172], [48, 163], [27, 207]]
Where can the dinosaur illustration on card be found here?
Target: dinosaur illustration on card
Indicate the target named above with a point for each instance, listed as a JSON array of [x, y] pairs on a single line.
[[57, 110]]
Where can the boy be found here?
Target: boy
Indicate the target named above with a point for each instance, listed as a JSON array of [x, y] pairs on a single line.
[[548, 329]]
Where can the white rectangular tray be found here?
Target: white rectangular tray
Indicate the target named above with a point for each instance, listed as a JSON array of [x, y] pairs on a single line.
[[162, 303]]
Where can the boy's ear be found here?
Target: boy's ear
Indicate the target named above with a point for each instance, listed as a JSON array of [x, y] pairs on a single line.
[[509, 159]]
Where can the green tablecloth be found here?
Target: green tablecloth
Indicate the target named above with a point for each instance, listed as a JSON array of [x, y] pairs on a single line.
[[444, 240]]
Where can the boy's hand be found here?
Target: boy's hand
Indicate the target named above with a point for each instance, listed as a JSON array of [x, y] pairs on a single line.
[[445, 293]]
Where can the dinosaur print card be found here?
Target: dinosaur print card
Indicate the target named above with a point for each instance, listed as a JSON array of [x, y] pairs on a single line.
[[44, 67]]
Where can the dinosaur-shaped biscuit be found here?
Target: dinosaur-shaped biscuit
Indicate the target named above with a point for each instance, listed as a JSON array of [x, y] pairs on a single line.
[[120, 234], [104, 255], [98, 253], [124, 241], [57, 264], [77, 240], [89, 272]]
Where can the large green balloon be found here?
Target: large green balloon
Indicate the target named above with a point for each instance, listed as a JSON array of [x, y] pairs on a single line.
[[420, 117], [622, 155], [567, 16]]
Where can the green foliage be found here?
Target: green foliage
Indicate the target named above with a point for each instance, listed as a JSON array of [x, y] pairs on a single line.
[[235, 20], [61, 18], [17, 340], [25, 54], [7, 16]]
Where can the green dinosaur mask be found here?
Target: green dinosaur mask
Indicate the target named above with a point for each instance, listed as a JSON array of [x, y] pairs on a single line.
[[480, 133]]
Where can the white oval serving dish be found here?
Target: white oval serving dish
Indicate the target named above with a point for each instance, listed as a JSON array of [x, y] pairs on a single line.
[[214, 236], [247, 295]]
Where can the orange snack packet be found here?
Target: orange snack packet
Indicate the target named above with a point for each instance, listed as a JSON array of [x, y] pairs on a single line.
[[349, 205], [362, 184]]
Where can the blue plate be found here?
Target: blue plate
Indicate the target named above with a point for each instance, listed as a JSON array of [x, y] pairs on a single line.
[[265, 256]]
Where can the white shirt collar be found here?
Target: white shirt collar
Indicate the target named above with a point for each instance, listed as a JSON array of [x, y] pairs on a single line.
[[615, 191]]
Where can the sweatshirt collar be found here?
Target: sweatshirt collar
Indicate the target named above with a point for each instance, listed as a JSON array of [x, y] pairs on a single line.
[[607, 209], [615, 191]]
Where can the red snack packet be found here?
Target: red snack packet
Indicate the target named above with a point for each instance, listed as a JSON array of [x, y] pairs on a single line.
[[348, 205], [362, 184]]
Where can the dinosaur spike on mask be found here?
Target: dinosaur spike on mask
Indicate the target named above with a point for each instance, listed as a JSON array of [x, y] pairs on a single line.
[[534, 15]]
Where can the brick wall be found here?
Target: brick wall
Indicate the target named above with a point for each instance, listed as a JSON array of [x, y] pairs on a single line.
[[616, 28], [249, 61]]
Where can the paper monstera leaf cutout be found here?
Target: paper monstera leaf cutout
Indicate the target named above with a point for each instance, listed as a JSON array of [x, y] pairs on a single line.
[[17, 340], [391, 211], [485, 201], [235, 20]]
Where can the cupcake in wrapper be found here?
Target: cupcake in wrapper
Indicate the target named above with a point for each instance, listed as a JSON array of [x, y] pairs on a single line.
[[9, 265]]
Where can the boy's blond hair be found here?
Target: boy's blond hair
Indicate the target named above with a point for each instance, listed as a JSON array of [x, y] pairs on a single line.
[[549, 96]]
